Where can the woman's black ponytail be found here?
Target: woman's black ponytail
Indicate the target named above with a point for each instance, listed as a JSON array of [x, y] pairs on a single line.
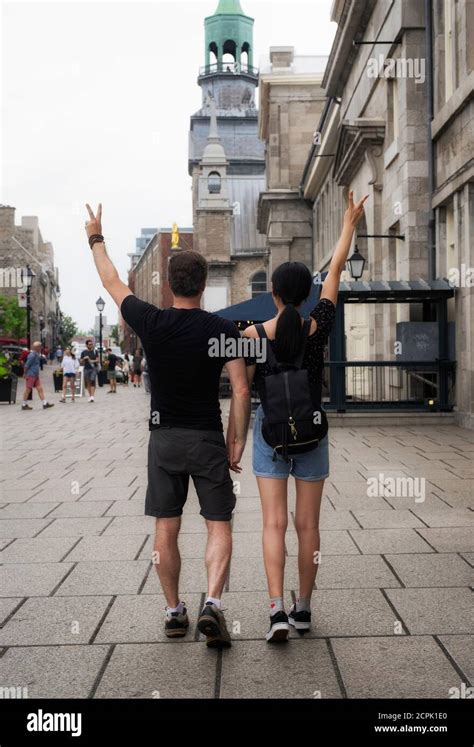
[[291, 281]]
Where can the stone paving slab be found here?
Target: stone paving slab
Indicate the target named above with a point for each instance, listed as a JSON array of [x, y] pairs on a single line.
[[381, 541], [354, 572], [460, 647], [105, 577], [160, 670], [436, 570], [54, 620], [27, 511], [53, 671], [452, 539], [397, 667], [299, 669], [7, 606], [31, 579], [107, 548], [434, 611], [38, 550]]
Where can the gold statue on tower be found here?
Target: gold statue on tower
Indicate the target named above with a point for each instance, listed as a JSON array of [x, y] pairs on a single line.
[[175, 237]]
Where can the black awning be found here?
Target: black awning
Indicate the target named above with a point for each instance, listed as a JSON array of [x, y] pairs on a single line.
[[394, 291], [261, 308]]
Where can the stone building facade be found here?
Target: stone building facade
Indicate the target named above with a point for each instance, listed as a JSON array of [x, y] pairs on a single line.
[[398, 126], [452, 132], [22, 245], [227, 163], [291, 101]]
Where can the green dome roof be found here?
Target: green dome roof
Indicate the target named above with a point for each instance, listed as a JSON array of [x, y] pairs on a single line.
[[229, 7]]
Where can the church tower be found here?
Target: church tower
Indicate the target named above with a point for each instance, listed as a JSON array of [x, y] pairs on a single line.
[[227, 161]]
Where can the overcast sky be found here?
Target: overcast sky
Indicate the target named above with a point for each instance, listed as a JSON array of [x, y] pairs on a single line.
[[96, 99]]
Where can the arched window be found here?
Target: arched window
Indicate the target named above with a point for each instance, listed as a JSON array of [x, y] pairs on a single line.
[[213, 52], [214, 183], [245, 56], [259, 283], [229, 56]]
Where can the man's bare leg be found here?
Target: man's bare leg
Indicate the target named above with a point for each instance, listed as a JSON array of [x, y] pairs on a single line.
[[218, 553], [167, 559], [219, 548]]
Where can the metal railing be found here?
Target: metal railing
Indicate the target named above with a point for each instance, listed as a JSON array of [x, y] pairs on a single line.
[[371, 385], [232, 68]]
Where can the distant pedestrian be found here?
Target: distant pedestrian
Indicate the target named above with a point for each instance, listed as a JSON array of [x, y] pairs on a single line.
[[90, 359], [70, 366], [59, 353], [137, 368], [111, 371], [32, 378], [126, 368]]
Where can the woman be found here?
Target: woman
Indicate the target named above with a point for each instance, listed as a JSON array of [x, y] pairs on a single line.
[[70, 366], [291, 285], [137, 368], [126, 368]]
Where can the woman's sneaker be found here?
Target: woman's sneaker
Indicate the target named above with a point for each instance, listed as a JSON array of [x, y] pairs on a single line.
[[279, 628], [212, 624], [300, 620], [176, 624]]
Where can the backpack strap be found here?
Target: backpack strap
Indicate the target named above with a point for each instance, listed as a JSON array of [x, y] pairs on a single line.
[[306, 327], [271, 359]]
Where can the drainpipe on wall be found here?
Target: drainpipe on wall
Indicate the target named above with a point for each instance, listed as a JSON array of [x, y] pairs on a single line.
[[431, 165]]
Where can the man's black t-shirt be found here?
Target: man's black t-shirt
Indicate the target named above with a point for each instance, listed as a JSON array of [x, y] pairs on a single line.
[[112, 359], [93, 358], [184, 377]]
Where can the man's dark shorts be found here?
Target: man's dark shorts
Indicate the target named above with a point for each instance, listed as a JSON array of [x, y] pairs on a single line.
[[175, 454]]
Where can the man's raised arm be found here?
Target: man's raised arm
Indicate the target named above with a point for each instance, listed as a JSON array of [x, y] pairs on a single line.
[[105, 267]]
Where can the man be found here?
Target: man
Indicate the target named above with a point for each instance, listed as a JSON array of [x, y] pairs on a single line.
[[186, 436], [89, 359], [32, 377], [112, 371]]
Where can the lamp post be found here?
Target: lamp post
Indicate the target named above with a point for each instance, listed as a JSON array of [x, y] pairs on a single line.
[[30, 275], [356, 264], [100, 303]]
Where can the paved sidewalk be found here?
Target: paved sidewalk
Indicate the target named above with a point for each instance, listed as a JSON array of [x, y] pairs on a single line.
[[81, 605]]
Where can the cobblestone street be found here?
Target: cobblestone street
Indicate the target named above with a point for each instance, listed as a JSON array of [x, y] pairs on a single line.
[[81, 605]]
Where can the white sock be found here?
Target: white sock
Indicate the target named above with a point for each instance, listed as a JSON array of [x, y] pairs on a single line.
[[25, 402], [179, 608], [276, 605], [45, 402], [213, 600], [303, 603]]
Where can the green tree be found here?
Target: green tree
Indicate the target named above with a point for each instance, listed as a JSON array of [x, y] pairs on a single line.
[[114, 333], [68, 331], [12, 317]]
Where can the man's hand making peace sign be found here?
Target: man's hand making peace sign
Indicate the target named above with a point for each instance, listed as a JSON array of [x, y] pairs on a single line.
[[105, 267]]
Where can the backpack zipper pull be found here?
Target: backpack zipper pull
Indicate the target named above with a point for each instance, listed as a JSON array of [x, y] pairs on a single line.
[[293, 430]]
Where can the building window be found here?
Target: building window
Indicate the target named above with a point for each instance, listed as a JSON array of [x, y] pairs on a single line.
[[214, 183], [259, 283]]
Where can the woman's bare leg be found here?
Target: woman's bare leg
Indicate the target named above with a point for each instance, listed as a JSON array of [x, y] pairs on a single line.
[[273, 497], [308, 504]]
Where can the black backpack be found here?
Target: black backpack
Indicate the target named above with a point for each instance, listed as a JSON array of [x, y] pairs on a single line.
[[293, 423]]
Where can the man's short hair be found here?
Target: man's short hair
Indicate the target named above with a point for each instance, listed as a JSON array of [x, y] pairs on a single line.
[[187, 273]]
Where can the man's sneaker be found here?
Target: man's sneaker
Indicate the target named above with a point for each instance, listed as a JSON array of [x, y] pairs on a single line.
[[279, 628], [176, 623], [26, 407], [48, 405], [300, 620], [212, 624]]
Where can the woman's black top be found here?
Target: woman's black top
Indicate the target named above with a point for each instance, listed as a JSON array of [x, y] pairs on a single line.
[[324, 313]]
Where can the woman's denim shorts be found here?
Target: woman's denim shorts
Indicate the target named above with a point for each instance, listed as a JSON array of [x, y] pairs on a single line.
[[312, 465]]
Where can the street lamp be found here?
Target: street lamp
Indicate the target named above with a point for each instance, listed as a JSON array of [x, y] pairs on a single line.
[[28, 279], [356, 264], [100, 304]]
